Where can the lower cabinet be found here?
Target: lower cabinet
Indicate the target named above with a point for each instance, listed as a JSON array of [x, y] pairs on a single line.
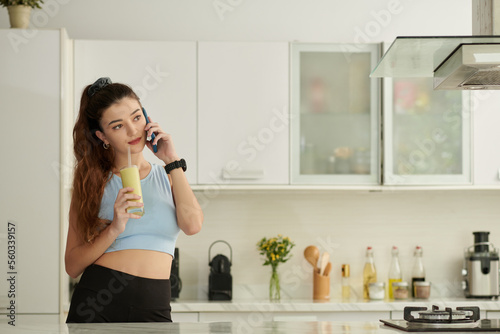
[[249, 319], [492, 315], [185, 316]]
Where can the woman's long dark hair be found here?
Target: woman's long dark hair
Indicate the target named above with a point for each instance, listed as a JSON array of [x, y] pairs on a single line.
[[93, 162]]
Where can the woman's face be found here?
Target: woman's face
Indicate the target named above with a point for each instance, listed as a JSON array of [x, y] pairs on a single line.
[[123, 126]]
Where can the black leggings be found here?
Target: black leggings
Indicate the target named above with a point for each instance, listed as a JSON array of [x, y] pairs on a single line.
[[107, 295]]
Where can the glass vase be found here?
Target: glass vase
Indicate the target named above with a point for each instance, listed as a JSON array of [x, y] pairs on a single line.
[[274, 285]]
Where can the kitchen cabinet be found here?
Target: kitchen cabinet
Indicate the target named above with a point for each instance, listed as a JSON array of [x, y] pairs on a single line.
[[243, 113], [36, 68], [163, 75], [427, 134], [185, 316], [335, 108], [486, 121], [249, 318], [493, 315]]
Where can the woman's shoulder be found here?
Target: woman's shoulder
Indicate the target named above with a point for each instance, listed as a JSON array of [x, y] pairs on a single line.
[[159, 175], [155, 168], [158, 171]]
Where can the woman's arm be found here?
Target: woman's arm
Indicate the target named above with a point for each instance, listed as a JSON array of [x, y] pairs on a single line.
[[188, 210], [79, 254]]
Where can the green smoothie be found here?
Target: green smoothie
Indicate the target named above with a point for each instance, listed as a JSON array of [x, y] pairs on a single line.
[[130, 178]]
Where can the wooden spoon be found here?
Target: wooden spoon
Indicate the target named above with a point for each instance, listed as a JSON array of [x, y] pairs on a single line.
[[311, 253], [323, 262], [328, 268]]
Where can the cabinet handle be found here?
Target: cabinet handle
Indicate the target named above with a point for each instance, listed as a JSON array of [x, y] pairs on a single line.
[[242, 174]]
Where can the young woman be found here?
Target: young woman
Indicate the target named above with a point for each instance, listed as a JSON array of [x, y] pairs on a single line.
[[125, 258]]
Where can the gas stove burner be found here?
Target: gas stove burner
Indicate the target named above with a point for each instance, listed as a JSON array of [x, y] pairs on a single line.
[[447, 316], [462, 319]]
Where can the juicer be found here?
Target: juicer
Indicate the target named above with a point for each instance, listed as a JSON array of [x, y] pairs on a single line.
[[480, 271]]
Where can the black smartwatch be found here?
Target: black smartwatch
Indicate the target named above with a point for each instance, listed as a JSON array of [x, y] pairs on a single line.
[[176, 164]]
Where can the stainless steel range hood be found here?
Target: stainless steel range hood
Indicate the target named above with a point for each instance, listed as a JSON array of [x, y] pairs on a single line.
[[455, 62], [470, 66]]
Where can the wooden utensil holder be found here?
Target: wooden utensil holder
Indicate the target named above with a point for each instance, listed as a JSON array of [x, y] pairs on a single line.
[[321, 286]]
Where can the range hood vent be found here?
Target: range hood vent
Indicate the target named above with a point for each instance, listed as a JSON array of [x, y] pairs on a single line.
[[470, 66], [455, 62]]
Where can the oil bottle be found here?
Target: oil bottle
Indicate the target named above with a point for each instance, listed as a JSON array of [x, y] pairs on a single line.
[[394, 271], [369, 272]]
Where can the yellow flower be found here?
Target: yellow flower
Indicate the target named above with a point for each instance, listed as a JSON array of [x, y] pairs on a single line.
[[275, 250]]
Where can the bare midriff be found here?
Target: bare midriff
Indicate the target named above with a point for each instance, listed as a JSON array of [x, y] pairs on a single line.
[[138, 262]]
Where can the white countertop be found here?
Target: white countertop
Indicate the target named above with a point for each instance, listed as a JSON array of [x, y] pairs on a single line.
[[52, 323], [323, 327], [330, 306]]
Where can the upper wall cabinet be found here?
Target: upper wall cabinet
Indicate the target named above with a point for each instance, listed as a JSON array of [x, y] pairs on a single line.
[[486, 119], [243, 113], [163, 74], [426, 134], [335, 109]]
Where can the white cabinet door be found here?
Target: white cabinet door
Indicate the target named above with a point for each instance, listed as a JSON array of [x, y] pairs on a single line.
[[427, 134], [246, 319], [243, 113], [185, 316], [486, 137], [163, 74], [30, 143], [335, 135]]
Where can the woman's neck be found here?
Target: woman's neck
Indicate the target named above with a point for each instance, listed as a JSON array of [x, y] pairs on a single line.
[[121, 161]]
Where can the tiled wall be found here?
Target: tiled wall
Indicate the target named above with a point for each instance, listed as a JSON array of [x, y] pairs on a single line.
[[343, 223]]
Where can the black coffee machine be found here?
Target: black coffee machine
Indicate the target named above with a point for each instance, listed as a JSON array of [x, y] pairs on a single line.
[[220, 281]]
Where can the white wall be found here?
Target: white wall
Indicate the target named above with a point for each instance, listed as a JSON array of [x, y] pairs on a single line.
[[442, 222], [260, 20], [343, 223]]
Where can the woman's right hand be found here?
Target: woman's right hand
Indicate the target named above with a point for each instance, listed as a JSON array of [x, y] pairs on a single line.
[[121, 216]]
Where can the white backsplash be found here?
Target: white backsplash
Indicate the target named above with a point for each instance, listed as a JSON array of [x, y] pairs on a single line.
[[343, 223]]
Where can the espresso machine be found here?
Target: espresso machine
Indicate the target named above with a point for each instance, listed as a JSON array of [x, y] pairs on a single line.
[[480, 271]]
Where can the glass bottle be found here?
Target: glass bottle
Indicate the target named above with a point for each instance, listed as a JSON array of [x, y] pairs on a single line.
[[346, 288], [418, 272], [394, 271], [369, 272]]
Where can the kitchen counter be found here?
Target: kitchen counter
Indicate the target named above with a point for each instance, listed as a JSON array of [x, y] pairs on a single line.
[[257, 311], [253, 322], [25, 325], [329, 306]]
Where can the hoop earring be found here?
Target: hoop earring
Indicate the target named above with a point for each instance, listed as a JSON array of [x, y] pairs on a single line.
[[106, 146]]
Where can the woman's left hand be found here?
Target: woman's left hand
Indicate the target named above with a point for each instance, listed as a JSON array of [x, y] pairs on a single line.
[[166, 150]]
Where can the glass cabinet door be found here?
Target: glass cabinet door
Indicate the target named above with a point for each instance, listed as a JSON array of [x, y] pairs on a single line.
[[426, 133], [335, 109]]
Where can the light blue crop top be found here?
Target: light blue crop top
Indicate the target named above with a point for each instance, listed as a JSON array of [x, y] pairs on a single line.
[[157, 229]]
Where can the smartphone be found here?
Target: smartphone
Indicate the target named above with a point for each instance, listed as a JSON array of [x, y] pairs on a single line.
[[155, 148]]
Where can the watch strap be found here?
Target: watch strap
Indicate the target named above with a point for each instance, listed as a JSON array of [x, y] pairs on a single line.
[[176, 164]]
